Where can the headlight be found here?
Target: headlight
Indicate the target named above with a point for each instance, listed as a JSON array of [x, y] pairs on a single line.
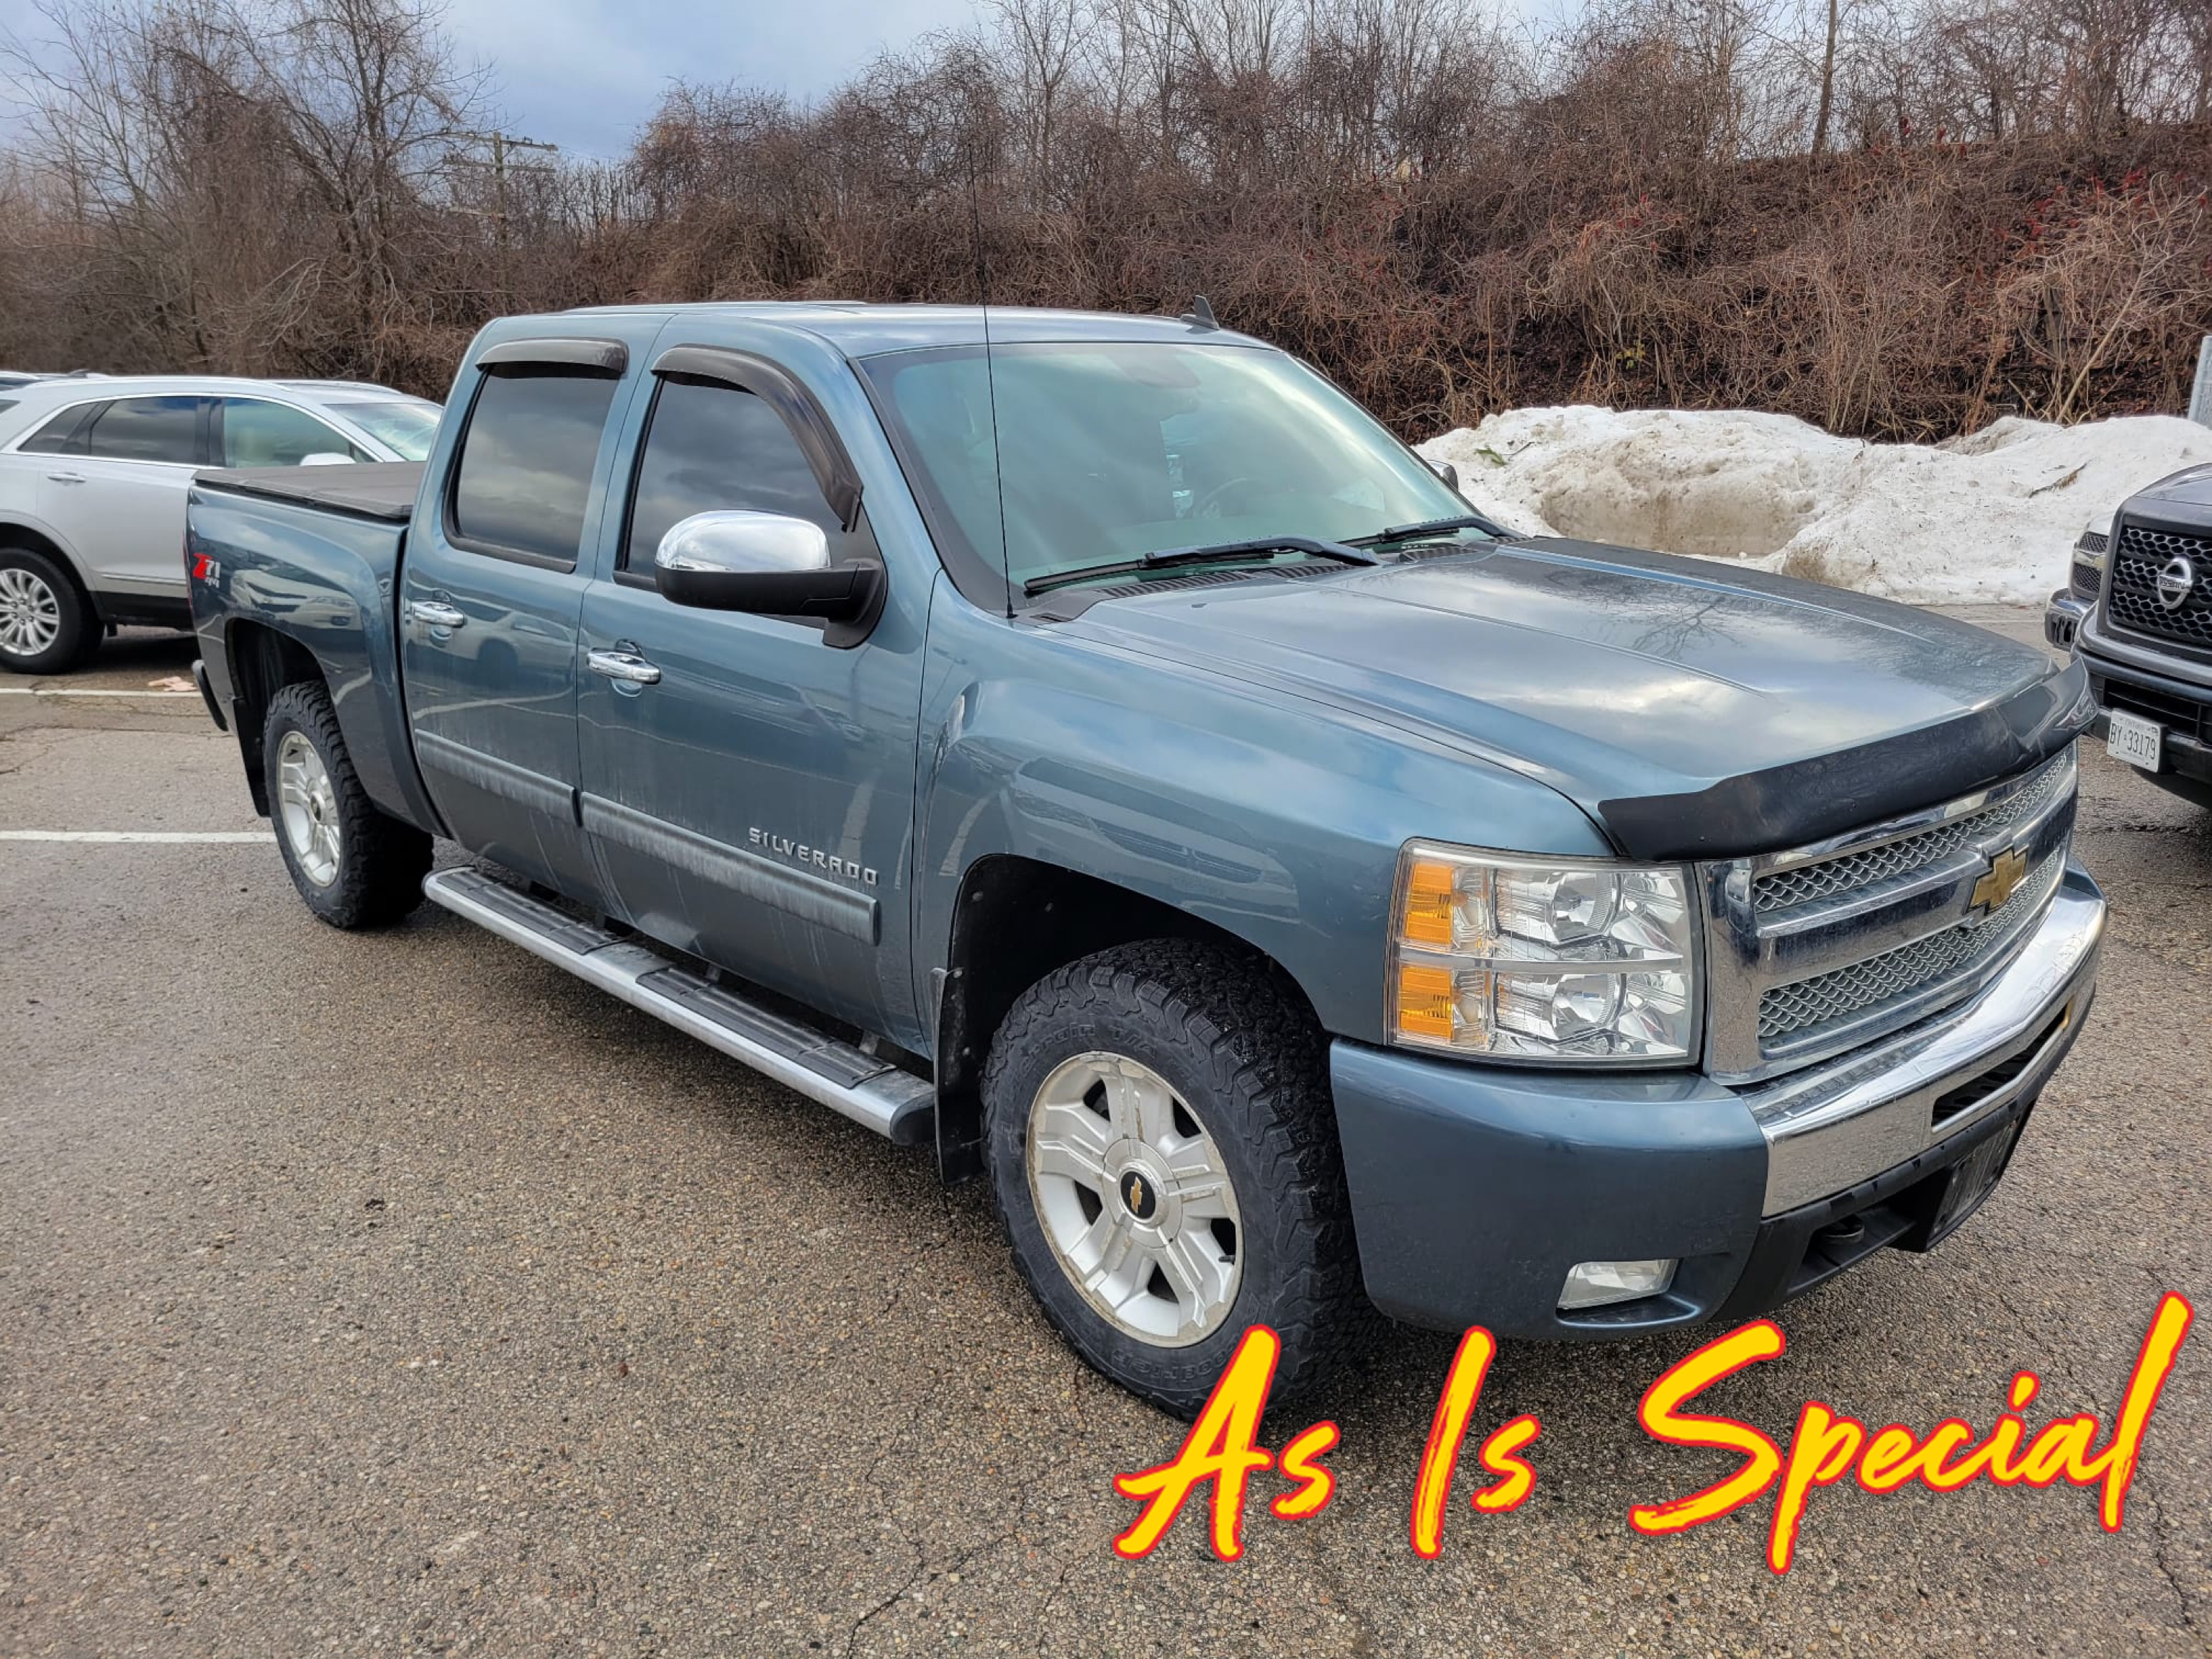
[[1543, 959]]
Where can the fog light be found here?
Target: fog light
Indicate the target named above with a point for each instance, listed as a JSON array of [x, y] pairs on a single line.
[[1595, 1284]]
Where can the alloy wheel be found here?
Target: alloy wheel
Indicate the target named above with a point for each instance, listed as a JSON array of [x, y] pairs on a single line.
[[30, 613], [1134, 1200], [308, 807]]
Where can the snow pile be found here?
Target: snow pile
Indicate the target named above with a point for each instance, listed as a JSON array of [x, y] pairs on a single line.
[[1992, 517]]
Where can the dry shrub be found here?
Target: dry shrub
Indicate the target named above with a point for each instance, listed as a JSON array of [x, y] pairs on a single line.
[[1616, 280], [1838, 326], [2102, 282]]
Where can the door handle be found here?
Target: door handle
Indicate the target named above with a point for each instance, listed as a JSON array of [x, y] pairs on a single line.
[[625, 665], [66, 477], [433, 614]]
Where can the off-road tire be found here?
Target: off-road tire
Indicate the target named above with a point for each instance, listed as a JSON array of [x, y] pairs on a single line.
[[381, 862], [1232, 1037], [79, 633]]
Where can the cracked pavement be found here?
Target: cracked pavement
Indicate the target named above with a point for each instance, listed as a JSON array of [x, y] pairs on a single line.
[[396, 1293]]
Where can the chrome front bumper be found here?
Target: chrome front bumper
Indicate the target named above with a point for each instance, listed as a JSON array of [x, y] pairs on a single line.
[[1829, 1126]]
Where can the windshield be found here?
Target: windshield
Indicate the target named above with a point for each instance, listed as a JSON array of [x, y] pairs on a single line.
[[1107, 452], [405, 426]]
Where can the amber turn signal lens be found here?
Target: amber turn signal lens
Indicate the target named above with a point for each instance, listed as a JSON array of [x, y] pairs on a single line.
[[1424, 1002], [1428, 892]]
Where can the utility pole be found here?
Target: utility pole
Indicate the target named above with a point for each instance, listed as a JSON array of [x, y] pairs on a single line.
[[499, 144], [1827, 79]]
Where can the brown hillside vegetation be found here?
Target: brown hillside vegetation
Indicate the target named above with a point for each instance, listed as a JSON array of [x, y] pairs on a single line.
[[1893, 217]]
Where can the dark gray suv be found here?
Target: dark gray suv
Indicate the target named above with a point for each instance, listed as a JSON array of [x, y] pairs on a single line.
[[2138, 612]]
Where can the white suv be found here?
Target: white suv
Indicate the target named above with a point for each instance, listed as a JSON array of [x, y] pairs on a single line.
[[92, 477]]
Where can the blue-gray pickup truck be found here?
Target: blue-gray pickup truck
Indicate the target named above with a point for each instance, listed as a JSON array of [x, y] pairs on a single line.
[[1095, 747]]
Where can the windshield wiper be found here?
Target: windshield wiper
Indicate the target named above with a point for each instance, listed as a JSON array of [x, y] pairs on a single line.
[[1406, 532], [1262, 546]]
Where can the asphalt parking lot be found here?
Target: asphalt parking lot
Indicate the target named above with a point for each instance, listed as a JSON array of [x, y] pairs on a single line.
[[395, 1294]]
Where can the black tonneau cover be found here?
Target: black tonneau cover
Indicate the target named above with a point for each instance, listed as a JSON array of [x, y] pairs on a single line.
[[371, 489]]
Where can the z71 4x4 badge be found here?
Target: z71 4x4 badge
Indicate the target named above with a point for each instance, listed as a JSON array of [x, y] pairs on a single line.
[[785, 848]]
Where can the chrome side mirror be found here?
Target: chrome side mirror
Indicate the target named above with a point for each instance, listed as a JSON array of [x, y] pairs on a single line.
[[326, 457], [1446, 471], [768, 564]]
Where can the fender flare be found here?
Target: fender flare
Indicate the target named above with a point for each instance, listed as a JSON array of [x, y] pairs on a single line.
[[33, 525]]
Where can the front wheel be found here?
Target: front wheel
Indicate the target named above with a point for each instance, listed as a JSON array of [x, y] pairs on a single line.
[[1163, 1155], [354, 867]]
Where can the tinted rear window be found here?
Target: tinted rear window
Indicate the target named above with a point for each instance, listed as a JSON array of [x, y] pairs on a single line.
[[63, 435], [147, 429], [525, 472]]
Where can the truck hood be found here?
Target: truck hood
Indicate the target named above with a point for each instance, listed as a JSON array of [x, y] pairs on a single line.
[[1690, 710], [2188, 489]]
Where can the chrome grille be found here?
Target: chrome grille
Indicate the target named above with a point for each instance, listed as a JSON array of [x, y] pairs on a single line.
[[2087, 578], [1815, 951], [1790, 1010], [1805, 883]]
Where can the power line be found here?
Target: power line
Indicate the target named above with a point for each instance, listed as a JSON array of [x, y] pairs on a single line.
[[499, 144]]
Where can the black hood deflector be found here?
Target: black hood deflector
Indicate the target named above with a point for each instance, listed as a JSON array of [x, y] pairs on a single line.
[[1807, 800]]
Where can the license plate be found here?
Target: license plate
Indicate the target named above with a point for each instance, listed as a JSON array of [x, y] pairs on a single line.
[[2132, 739], [1971, 1179]]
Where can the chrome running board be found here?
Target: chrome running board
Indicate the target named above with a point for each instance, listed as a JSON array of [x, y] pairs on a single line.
[[872, 1092]]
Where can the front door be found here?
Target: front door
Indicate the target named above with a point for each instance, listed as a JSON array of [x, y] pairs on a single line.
[[753, 803], [489, 599]]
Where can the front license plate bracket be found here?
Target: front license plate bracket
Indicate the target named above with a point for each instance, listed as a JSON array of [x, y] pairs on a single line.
[[1973, 1178], [2134, 740]]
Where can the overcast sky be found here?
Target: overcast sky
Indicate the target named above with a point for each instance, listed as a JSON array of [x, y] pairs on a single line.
[[585, 73]]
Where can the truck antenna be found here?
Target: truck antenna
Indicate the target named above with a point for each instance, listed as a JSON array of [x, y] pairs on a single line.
[[991, 383], [1200, 314]]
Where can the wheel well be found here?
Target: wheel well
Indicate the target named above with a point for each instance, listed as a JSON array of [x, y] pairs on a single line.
[[263, 662], [1016, 920], [19, 535]]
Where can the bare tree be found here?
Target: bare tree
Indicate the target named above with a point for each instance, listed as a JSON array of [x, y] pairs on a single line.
[[251, 176], [1443, 212]]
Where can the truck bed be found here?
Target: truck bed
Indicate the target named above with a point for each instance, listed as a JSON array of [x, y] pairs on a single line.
[[379, 489], [312, 554]]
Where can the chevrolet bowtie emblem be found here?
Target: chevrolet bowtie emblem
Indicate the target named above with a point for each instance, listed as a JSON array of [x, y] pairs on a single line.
[[2006, 871]]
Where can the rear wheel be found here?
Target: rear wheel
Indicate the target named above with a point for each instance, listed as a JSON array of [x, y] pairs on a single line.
[[354, 867], [1164, 1158], [46, 626]]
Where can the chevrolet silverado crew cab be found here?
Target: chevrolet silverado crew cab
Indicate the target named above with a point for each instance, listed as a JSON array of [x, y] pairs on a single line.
[[1095, 748], [2137, 612]]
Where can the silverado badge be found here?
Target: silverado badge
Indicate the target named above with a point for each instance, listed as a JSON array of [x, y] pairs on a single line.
[[2006, 871]]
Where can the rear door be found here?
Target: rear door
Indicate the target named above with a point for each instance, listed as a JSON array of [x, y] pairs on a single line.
[[491, 594], [113, 484]]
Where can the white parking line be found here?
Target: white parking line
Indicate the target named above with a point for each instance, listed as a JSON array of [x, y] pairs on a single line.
[[224, 836], [68, 691]]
